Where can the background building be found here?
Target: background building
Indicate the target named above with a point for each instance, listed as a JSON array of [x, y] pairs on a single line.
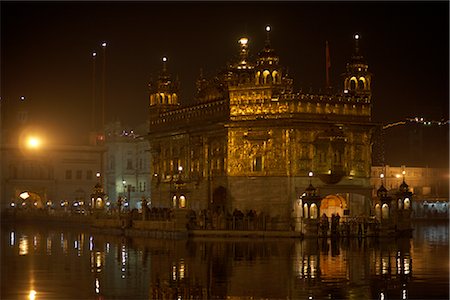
[[127, 164]]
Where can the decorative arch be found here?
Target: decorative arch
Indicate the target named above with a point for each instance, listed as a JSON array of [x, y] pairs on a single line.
[[333, 204], [305, 211], [353, 83], [266, 76], [362, 83], [407, 203], [378, 211], [275, 77], [385, 211]]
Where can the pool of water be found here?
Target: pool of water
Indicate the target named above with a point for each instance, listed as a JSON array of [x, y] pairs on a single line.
[[55, 262]]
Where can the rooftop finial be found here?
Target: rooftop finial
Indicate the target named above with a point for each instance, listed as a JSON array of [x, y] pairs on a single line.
[[244, 50], [268, 29], [356, 37], [164, 59]]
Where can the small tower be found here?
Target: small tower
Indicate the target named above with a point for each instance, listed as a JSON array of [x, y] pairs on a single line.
[[357, 78], [163, 92], [267, 69]]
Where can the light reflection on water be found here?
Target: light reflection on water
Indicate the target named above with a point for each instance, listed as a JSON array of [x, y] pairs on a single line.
[[42, 265]]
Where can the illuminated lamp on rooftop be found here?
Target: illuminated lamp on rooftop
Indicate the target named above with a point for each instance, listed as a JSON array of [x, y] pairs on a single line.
[[243, 41]]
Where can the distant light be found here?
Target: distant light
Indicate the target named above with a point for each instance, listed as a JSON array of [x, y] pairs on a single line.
[[356, 36], [33, 142], [108, 203], [397, 175], [381, 175], [124, 181], [104, 44], [180, 168], [243, 41], [32, 295], [310, 174], [403, 172], [22, 98], [24, 195], [98, 174], [345, 91], [164, 59], [268, 28], [13, 204], [94, 54]]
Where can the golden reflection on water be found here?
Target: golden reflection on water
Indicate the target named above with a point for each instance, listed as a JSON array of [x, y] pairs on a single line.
[[23, 245], [32, 295], [223, 268]]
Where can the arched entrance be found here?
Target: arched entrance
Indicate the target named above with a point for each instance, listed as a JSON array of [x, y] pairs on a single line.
[[219, 199], [333, 204]]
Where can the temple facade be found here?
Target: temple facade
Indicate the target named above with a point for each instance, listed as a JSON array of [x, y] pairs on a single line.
[[248, 141]]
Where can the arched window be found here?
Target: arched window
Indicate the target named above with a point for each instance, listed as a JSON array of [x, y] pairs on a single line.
[[407, 203], [362, 83], [400, 203], [266, 75], [275, 77], [305, 210], [174, 201], [182, 201], [313, 211], [378, 211], [353, 83], [385, 211]]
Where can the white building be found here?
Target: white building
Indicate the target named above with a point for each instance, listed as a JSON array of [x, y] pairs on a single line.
[[127, 165]]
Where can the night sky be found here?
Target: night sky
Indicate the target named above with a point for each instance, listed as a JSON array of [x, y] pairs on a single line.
[[46, 53]]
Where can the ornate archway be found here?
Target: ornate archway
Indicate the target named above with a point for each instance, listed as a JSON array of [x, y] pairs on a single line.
[[333, 204]]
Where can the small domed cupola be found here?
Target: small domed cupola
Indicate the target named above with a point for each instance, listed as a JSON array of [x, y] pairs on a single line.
[[164, 91], [357, 78], [268, 71]]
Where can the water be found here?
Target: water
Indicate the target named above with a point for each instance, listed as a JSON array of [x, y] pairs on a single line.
[[48, 262]]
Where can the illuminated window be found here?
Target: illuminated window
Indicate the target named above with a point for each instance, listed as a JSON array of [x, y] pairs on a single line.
[[182, 202], [406, 203], [385, 211], [361, 84]]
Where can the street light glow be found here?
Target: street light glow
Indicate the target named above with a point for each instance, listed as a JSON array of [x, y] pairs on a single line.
[[104, 44], [268, 28], [33, 142]]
